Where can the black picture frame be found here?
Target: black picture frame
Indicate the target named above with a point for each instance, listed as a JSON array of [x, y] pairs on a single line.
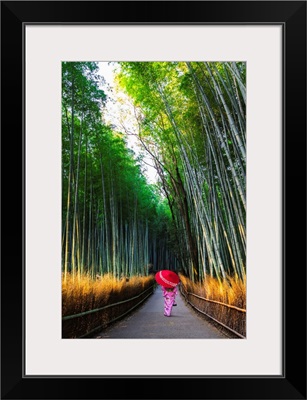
[[292, 16]]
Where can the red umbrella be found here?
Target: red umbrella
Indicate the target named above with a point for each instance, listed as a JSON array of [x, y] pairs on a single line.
[[167, 278]]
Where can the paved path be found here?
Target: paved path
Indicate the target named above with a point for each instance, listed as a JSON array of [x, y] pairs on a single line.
[[148, 322]]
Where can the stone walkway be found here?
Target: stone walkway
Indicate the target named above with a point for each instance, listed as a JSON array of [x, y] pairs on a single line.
[[148, 322]]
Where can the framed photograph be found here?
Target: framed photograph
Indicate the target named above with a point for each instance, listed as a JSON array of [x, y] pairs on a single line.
[[269, 39]]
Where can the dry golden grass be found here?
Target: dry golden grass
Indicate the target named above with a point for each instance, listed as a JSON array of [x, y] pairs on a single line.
[[230, 291], [82, 293]]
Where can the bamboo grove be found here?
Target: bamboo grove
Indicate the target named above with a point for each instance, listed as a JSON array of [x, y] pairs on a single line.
[[191, 120], [112, 219]]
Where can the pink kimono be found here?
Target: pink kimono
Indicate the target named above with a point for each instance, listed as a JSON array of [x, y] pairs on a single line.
[[169, 300]]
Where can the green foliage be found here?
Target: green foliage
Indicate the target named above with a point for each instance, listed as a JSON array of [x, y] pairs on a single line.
[[194, 125], [107, 204], [192, 121]]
